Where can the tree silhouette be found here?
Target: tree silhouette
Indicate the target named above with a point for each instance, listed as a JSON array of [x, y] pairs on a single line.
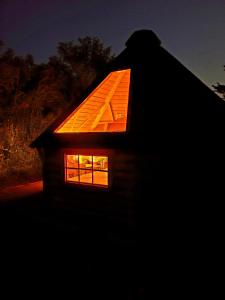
[[85, 59], [220, 88], [33, 95]]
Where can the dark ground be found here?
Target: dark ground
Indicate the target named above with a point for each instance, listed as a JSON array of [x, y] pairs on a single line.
[[18, 179], [51, 251], [46, 253]]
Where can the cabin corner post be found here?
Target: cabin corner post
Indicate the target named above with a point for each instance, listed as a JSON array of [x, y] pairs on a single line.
[[53, 174]]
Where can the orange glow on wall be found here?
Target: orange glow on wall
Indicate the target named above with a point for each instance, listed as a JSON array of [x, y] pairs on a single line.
[[105, 109], [86, 169]]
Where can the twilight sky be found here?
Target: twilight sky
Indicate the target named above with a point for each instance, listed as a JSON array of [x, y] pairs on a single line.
[[191, 30]]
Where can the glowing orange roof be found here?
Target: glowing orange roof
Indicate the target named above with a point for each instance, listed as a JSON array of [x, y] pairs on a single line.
[[104, 110]]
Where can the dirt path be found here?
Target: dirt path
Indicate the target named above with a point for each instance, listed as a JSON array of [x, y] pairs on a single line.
[[19, 191]]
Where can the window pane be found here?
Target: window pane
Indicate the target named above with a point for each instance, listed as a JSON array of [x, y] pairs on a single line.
[[86, 176], [86, 169], [85, 161], [72, 175], [72, 161], [100, 178], [100, 163]]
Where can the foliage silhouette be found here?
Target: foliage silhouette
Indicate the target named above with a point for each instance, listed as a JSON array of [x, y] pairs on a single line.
[[33, 95], [220, 88]]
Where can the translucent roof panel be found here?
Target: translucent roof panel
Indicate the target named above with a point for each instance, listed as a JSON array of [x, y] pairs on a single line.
[[104, 110]]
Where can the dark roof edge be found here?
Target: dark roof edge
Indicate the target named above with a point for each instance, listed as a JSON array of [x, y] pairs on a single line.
[[197, 79], [143, 38]]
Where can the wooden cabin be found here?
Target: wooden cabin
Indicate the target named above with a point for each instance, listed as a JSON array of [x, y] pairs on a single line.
[[103, 156]]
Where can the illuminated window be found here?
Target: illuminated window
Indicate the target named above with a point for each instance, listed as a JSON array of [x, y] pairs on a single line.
[[86, 169], [104, 110]]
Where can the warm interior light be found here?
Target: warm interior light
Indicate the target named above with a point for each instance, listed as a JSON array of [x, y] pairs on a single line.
[[104, 110], [86, 169]]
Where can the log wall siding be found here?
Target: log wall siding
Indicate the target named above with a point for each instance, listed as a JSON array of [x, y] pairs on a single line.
[[53, 175], [130, 177]]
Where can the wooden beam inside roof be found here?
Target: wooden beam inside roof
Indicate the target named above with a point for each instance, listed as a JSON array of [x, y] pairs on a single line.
[[107, 101]]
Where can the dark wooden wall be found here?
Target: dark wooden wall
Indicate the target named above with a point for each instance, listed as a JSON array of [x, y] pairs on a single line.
[[132, 187]]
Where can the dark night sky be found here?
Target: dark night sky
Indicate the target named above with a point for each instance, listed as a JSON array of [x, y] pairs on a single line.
[[191, 30]]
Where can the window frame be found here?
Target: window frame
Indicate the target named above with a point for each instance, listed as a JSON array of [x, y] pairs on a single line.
[[91, 153]]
